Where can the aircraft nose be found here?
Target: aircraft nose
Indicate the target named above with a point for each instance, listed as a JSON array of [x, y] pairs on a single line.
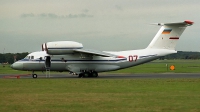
[[17, 66]]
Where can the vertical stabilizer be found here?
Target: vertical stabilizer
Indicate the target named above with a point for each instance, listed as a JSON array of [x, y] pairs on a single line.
[[168, 35]]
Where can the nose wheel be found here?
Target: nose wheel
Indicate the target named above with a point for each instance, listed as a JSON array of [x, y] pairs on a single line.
[[34, 75]]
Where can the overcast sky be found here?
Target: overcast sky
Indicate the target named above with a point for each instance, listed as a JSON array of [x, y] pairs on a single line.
[[110, 25]]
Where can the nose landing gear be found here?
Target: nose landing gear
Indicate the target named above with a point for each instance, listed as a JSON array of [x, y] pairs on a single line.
[[34, 75]]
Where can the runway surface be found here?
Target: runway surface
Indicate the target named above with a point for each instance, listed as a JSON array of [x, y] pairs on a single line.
[[111, 76]]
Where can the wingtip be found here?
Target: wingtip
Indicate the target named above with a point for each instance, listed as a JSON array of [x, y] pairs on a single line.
[[189, 22]]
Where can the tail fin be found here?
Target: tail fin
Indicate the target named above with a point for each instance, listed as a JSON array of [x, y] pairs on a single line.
[[168, 35]]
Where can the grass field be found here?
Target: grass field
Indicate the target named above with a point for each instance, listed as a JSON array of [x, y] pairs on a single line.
[[157, 66], [105, 95], [100, 95]]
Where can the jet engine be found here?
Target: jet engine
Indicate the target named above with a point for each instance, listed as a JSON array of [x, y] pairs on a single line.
[[61, 47]]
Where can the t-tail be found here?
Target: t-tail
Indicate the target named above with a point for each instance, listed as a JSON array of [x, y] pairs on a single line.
[[168, 35]]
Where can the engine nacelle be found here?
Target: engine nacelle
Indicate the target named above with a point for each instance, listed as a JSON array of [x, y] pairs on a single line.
[[61, 47]]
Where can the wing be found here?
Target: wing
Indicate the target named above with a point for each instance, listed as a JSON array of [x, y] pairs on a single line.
[[69, 47], [94, 52]]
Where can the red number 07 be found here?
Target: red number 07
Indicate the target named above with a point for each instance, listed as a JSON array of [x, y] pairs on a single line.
[[132, 58]]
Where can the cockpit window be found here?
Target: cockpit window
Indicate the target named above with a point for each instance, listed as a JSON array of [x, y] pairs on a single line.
[[29, 57], [26, 57]]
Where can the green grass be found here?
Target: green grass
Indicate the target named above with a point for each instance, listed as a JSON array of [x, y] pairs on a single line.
[[105, 95], [7, 70], [99, 95], [157, 66]]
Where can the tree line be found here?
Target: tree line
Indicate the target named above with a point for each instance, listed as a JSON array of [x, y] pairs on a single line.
[[183, 55], [9, 58]]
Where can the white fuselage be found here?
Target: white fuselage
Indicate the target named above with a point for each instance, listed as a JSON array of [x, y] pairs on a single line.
[[76, 63]]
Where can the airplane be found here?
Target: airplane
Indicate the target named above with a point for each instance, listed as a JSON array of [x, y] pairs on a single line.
[[72, 57]]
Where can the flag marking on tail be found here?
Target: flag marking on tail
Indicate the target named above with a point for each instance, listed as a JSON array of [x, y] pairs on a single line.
[[166, 31], [176, 38]]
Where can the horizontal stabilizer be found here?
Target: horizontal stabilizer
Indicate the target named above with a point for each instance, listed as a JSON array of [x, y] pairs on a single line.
[[186, 23]]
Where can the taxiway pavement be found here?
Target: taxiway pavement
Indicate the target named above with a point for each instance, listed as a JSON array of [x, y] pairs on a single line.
[[113, 76]]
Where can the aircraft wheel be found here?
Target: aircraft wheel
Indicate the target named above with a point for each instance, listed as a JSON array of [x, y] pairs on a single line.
[[94, 74], [80, 75], [34, 75], [86, 74]]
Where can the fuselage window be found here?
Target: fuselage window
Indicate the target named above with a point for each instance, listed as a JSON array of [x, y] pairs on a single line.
[[32, 57], [40, 58]]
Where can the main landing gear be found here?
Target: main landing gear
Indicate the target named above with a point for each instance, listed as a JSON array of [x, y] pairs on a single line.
[[88, 74], [83, 74]]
